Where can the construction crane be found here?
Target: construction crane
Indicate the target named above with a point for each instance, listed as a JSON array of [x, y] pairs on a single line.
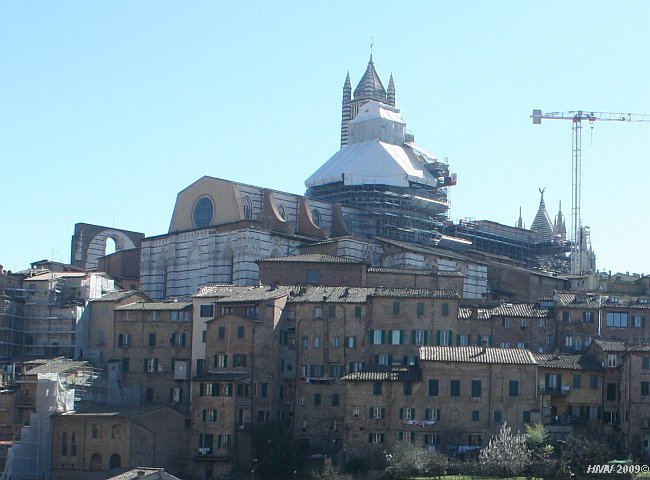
[[577, 117]]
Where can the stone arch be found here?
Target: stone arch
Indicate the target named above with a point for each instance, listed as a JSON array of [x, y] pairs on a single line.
[[115, 461], [89, 243], [95, 462]]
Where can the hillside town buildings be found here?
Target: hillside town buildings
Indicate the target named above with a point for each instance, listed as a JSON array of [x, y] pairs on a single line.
[[356, 317]]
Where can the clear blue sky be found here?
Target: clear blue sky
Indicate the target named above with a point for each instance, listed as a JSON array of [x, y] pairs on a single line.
[[109, 109]]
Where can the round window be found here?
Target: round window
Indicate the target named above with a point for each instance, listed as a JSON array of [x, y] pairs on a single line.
[[203, 212]]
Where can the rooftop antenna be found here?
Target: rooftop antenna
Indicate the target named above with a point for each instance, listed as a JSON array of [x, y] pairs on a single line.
[[372, 43]]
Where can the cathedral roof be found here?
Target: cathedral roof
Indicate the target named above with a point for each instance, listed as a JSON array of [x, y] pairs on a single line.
[[370, 85], [542, 223]]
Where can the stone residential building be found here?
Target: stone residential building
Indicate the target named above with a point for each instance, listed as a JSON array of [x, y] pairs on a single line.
[[508, 325], [96, 438], [152, 352], [635, 400], [95, 330], [243, 373], [453, 401], [570, 390]]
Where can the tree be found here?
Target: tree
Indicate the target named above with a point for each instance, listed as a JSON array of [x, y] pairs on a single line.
[[407, 460], [506, 454], [578, 452], [540, 449]]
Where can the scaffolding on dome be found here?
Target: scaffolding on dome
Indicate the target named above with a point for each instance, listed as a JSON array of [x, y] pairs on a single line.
[[415, 214]]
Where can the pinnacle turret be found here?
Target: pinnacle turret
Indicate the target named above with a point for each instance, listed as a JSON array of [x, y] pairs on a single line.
[[391, 91]]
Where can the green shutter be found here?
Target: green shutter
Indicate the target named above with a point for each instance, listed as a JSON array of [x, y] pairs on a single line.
[[438, 414], [145, 365], [401, 413], [457, 339], [451, 336], [372, 337], [426, 337], [402, 337], [383, 412], [383, 337], [370, 412], [413, 337], [413, 413], [426, 414], [437, 337]]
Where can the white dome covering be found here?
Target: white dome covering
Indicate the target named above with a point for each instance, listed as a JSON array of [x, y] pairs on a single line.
[[376, 153]]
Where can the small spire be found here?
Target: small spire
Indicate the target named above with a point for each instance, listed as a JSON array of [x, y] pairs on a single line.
[[541, 191], [391, 91], [372, 43], [520, 222], [347, 83]]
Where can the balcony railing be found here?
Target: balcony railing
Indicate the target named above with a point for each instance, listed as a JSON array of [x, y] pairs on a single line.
[[563, 390]]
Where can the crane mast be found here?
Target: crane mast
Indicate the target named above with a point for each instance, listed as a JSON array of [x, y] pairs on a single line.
[[578, 240]]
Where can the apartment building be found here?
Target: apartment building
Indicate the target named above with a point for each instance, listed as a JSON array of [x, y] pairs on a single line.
[[151, 352], [452, 401]]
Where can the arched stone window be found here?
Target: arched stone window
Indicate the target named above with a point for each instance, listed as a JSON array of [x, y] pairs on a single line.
[[116, 431], [96, 431], [247, 206]]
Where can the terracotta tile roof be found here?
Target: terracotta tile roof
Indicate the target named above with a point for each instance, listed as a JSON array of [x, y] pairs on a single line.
[[148, 306], [386, 374], [117, 296], [566, 361], [415, 293], [147, 473], [519, 310], [402, 271], [230, 293], [372, 376], [311, 258], [55, 275], [475, 354], [415, 271], [58, 365], [465, 313], [610, 345], [594, 300], [316, 294]]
